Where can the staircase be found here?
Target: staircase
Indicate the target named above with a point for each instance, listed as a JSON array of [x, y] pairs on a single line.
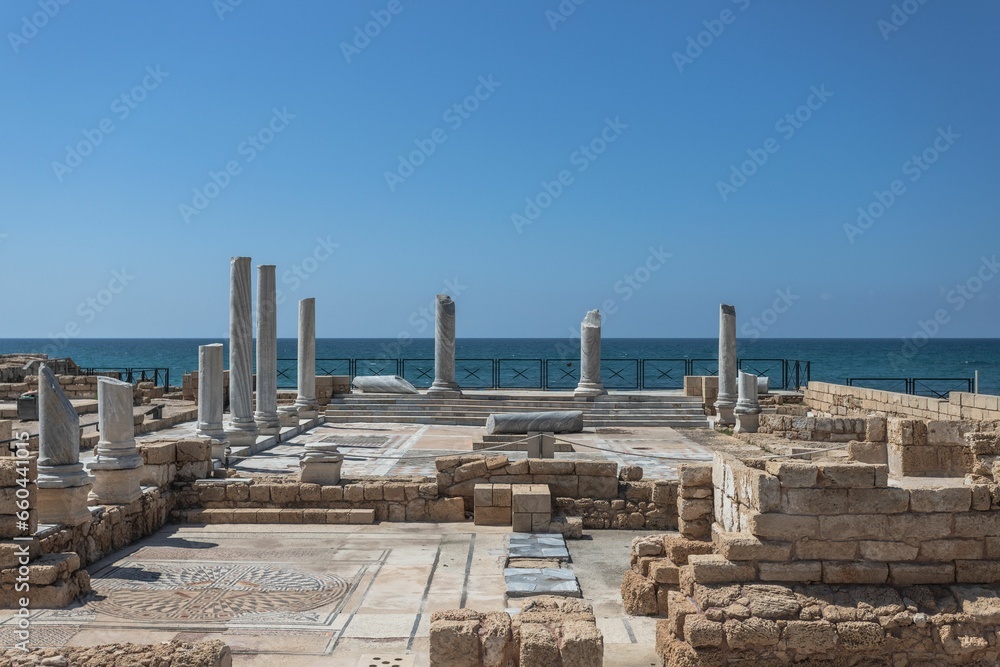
[[472, 409]]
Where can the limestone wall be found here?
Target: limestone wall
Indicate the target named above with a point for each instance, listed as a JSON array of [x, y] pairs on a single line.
[[592, 490], [169, 653], [548, 632], [841, 400], [824, 429]]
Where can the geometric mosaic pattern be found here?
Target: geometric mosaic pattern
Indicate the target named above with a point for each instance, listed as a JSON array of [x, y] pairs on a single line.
[[364, 441], [211, 591]]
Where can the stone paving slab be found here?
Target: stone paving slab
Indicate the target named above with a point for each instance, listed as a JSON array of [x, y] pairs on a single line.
[[522, 582], [537, 545]]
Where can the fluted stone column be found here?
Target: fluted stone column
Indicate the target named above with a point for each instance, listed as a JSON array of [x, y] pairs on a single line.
[[242, 429], [306, 400], [444, 349], [590, 356], [747, 410], [211, 397], [63, 484], [726, 401], [266, 415], [118, 467]]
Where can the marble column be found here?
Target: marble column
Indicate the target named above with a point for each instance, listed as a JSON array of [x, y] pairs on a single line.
[[726, 401], [747, 410], [211, 397], [266, 415], [242, 429], [306, 400], [63, 484], [118, 467], [590, 356], [444, 349]]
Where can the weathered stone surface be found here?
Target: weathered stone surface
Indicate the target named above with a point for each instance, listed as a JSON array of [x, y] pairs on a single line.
[[638, 595], [305, 400], [444, 348], [383, 384], [241, 429], [554, 421], [590, 356]]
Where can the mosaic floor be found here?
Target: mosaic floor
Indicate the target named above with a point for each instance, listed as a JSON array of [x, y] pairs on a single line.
[[312, 595]]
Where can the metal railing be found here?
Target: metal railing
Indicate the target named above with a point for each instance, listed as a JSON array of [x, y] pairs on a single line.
[[931, 387], [557, 374], [160, 377]]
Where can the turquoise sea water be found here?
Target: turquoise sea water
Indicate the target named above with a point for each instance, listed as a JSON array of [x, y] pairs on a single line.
[[833, 360]]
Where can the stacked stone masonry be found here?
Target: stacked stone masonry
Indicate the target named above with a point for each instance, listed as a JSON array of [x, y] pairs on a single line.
[[843, 401], [591, 490], [548, 632], [531, 508], [492, 505]]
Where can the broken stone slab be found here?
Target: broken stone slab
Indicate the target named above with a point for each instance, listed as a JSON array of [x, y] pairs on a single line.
[[555, 421], [321, 464], [383, 384], [522, 582], [63, 484], [533, 545]]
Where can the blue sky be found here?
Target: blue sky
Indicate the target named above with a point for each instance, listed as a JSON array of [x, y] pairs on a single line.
[[274, 130]]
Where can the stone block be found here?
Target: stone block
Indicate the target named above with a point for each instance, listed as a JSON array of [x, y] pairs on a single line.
[[810, 549], [793, 474], [944, 433], [977, 524], [663, 571], [744, 547], [597, 468], [638, 595], [492, 516], [855, 572], [561, 486], [362, 516], [977, 572], [846, 476], [690, 510], [521, 522], [530, 498], [810, 636], [501, 495], [193, 450], [814, 501], [875, 429], [878, 501], [955, 499], [483, 496], [446, 510], [854, 526], [783, 526], [158, 453], [550, 467], [868, 452], [860, 635], [455, 642], [912, 574], [798, 571], [752, 634], [597, 487], [714, 569], [700, 632], [951, 549], [695, 474], [887, 551]]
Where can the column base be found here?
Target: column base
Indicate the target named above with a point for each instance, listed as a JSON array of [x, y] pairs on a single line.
[[321, 464], [116, 486], [212, 433], [242, 434], [288, 415], [724, 407], [220, 449], [267, 424], [66, 505], [589, 389], [747, 422], [444, 389], [307, 409]]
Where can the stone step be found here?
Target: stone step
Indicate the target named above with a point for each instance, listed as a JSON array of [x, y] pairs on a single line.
[[489, 409], [469, 400], [282, 515], [675, 422]]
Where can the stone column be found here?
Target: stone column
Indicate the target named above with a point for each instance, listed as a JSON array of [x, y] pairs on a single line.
[[306, 400], [63, 484], [118, 467], [444, 349], [727, 366], [211, 397], [747, 410], [266, 415], [590, 356], [242, 429]]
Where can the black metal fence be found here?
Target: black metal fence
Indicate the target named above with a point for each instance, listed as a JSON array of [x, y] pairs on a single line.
[[560, 374], [160, 377], [932, 387]]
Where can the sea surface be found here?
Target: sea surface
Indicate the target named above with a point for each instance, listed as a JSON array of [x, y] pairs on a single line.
[[832, 360]]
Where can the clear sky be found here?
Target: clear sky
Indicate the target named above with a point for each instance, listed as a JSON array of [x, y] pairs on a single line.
[[534, 159]]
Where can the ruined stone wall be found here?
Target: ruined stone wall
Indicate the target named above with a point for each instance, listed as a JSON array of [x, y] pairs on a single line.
[[844, 401], [824, 429], [250, 501], [592, 490]]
